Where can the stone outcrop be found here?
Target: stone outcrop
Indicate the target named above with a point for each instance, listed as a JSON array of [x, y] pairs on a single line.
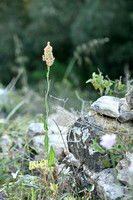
[[114, 107], [110, 115], [124, 175], [85, 129], [36, 135]]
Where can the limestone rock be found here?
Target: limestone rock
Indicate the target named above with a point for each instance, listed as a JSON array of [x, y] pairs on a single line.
[[55, 141], [112, 116], [107, 105], [125, 113], [62, 117], [57, 138], [85, 129], [80, 137], [122, 167], [113, 107], [5, 143], [64, 178], [70, 160], [129, 99], [35, 129], [106, 185]]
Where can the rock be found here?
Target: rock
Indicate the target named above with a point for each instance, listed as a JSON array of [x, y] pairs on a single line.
[[57, 138], [129, 99], [107, 105], [112, 116], [122, 167], [5, 143], [54, 140], [53, 129], [85, 129], [35, 129], [112, 125], [62, 117], [70, 160], [64, 179], [62, 169], [113, 107], [79, 139], [125, 114], [105, 184]]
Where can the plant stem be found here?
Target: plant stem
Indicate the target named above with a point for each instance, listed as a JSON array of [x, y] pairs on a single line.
[[47, 92]]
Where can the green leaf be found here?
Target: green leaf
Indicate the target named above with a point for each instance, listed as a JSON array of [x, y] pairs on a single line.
[[91, 188], [46, 140], [45, 124], [106, 162], [130, 147], [13, 144], [51, 156], [89, 80], [64, 195], [33, 194]]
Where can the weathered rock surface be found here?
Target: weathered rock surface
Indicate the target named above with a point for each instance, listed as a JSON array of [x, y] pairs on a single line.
[[106, 185], [57, 131], [85, 129], [95, 171], [64, 178], [125, 113], [35, 129], [123, 173], [88, 165], [79, 139], [107, 105], [62, 117], [113, 107], [129, 99], [70, 160], [5, 143], [56, 141]]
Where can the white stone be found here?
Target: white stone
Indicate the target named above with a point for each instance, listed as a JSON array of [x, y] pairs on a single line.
[[107, 105], [62, 117], [5, 143], [124, 175], [55, 141], [38, 129], [106, 185], [35, 129], [125, 113], [70, 160]]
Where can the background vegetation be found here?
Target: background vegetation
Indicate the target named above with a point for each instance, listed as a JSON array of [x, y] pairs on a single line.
[[85, 35]]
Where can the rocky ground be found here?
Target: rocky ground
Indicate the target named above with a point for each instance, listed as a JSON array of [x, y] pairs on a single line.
[[82, 169]]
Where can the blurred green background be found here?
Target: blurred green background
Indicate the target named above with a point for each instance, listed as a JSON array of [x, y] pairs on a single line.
[[85, 35]]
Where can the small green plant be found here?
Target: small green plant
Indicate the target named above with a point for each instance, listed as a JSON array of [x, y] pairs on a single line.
[[49, 59], [47, 165], [104, 85]]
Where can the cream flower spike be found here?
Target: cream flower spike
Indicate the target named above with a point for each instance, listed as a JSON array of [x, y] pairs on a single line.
[[48, 55]]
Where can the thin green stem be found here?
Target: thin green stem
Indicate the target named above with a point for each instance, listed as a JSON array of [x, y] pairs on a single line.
[[47, 93]]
